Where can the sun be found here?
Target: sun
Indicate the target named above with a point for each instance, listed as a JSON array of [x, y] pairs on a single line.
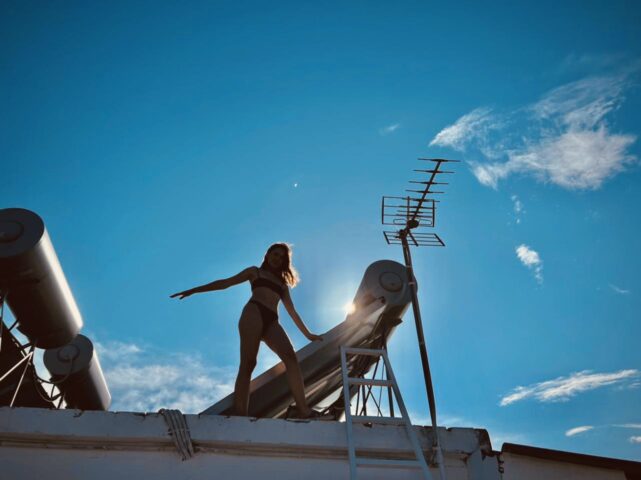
[[349, 308]]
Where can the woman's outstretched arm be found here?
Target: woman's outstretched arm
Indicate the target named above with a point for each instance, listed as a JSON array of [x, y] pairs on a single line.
[[289, 306], [241, 277]]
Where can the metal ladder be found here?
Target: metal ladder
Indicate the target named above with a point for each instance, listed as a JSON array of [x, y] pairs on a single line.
[[354, 461]]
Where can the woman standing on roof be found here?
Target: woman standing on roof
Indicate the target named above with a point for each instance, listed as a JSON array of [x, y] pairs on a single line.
[[259, 321]]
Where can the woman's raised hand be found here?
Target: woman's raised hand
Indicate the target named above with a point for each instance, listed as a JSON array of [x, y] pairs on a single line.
[[182, 295]]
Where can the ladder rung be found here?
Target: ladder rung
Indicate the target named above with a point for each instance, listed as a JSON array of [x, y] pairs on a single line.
[[364, 351], [354, 462], [381, 462], [370, 381], [384, 420]]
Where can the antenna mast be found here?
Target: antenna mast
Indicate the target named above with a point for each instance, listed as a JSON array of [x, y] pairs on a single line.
[[410, 214]]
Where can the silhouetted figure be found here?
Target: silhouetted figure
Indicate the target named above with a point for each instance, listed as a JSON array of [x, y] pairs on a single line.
[[259, 321]]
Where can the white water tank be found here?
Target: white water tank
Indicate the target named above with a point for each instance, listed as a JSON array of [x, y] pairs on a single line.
[[37, 290], [77, 369], [385, 279]]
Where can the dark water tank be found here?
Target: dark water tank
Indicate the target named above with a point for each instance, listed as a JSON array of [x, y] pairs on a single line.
[[38, 293], [76, 366]]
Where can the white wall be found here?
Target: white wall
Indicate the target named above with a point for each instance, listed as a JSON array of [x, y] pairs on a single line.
[[518, 467], [38, 443]]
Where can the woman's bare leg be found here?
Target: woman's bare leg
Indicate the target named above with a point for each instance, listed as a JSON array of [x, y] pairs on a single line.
[[250, 327], [276, 339]]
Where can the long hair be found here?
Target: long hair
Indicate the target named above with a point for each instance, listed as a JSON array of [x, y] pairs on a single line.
[[287, 272]]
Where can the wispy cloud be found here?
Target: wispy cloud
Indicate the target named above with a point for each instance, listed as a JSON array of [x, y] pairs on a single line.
[[531, 259], [518, 207], [117, 351], [635, 439], [620, 291], [590, 62], [563, 388], [389, 129], [471, 127], [628, 425], [576, 430], [564, 138], [499, 437], [581, 104], [145, 380], [443, 419], [581, 159]]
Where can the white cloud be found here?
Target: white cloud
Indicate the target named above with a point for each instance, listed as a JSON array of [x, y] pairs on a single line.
[[444, 420], [563, 388], [451, 421], [389, 129], [635, 439], [628, 425], [528, 256], [576, 160], [471, 126], [145, 380], [498, 437], [564, 138], [581, 104], [531, 259], [576, 430], [489, 174], [518, 207], [117, 350], [621, 291]]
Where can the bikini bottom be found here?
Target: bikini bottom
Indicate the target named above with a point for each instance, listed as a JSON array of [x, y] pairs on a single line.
[[266, 315]]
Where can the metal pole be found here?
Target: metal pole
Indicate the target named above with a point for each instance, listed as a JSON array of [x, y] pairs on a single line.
[[419, 329], [423, 349], [24, 359], [30, 359], [3, 295]]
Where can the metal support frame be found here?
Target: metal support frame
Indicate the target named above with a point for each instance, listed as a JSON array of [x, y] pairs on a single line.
[[3, 295], [365, 392], [27, 359]]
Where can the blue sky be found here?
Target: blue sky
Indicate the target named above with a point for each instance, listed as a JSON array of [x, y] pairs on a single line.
[[168, 144]]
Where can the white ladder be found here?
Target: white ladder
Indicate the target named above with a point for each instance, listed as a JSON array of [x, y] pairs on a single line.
[[354, 461]]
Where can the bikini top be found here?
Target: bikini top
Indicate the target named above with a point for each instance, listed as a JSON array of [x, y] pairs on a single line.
[[279, 288]]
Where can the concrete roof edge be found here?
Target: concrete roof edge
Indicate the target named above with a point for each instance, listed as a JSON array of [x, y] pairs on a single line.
[[35, 426], [631, 468]]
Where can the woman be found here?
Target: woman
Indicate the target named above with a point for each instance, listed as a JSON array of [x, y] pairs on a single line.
[[259, 321]]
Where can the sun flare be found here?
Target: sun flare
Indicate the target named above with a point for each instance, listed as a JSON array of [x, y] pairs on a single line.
[[349, 308]]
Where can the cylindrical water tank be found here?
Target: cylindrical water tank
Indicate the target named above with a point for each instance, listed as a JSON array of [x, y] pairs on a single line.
[[387, 279], [76, 366], [38, 293]]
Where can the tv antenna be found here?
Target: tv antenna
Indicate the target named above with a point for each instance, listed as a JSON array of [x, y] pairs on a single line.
[[412, 214]]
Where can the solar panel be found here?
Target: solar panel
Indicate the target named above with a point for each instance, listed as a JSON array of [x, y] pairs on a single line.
[[380, 302]]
